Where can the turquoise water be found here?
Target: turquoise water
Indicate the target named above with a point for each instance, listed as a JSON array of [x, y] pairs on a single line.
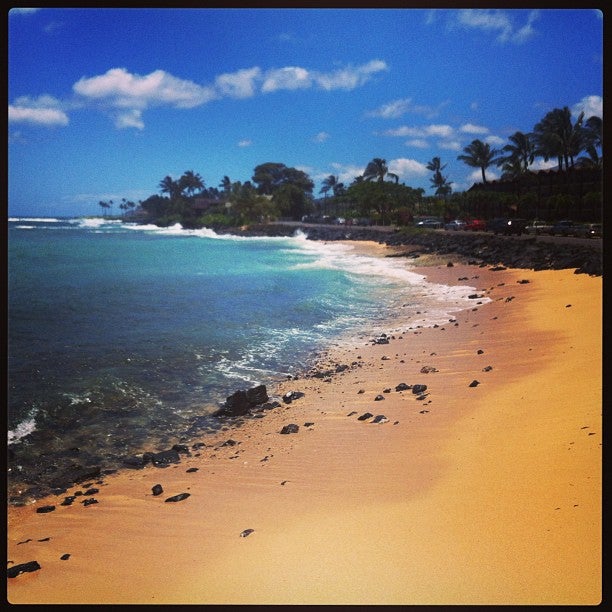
[[122, 336]]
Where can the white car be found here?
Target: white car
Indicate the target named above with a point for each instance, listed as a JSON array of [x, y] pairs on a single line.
[[431, 223], [457, 224], [538, 227]]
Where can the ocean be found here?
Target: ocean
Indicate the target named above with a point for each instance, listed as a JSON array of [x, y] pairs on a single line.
[[123, 337]]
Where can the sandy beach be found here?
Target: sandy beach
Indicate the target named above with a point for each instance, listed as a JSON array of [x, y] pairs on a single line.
[[485, 488]]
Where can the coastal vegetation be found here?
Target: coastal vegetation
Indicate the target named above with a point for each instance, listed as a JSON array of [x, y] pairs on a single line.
[[277, 191]]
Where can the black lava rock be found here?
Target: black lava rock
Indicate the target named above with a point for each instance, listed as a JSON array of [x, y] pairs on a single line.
[[289, 429], [157, 489], [15, 570], [179, 497]]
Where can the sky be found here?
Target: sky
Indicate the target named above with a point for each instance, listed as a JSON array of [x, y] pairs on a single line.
[[106, 102]]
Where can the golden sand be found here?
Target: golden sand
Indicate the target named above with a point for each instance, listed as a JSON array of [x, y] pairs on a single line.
[[486, 494]]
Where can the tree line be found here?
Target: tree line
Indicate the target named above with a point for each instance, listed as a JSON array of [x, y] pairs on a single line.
[[277, 191]]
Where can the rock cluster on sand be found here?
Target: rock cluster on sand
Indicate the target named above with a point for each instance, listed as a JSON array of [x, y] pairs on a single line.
[[530, 253]]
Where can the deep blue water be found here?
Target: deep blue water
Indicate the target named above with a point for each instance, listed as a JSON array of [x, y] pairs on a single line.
[[121, 335]]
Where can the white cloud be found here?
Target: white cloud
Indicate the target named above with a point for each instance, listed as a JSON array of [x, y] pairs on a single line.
[[405, 130], [407, 167], [450, 145], [44, 110], [321, 137], [245, 142], [496, 21], [290, 77], [240, 84], [591, 105], [443, 131], [470, 128], [346, 173], [540, 164], [496, 141], [130, 118], [418, 143], [123, 89], [127, 95], [527, 31], [349, 77], [397, 108], [476, 175], [391, 110], [438, 130]]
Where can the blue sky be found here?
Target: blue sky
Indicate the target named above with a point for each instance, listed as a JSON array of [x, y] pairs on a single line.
[[105, 102]]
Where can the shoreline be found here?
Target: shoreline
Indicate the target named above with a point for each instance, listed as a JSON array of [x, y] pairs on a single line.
[[472, 494]]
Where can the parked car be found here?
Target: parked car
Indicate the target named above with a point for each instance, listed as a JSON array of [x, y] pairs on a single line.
[[563, 228], [538, 227], [430, 223], [457, 224], [475, 225], [507, 226], [589, 230]]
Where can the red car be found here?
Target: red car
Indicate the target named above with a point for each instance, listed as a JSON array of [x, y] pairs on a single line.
[[475, 225]]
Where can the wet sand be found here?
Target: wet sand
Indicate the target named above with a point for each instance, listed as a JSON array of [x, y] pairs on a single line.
[[484, 494]]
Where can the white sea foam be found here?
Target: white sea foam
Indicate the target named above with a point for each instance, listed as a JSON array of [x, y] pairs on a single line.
[[27, 426], [95, 222], [35, 219], [392, 272]]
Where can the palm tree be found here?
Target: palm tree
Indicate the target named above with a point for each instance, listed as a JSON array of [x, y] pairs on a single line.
[[592, 133], [512, 168], [328, 183], [377, 169], [556, 136], [521, 153], [479, 154], [190, 182], [170, 186], [226, 185], [441, 183], [104, 206]]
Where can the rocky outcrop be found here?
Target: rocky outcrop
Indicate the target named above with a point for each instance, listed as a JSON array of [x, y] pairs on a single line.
[[241, 401], [533, 253]]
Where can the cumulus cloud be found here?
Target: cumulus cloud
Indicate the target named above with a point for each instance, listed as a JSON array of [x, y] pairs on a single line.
[[426, 131], [470, 128], [349, 77], [290, 77], [240, 84], [44, 110], [407, 167], [130, 118], [295, 77], [476, 175], [495, 141], [450, 145], [418, 143], [346, 173], [126, 95], [591, 105], [124, 89]]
